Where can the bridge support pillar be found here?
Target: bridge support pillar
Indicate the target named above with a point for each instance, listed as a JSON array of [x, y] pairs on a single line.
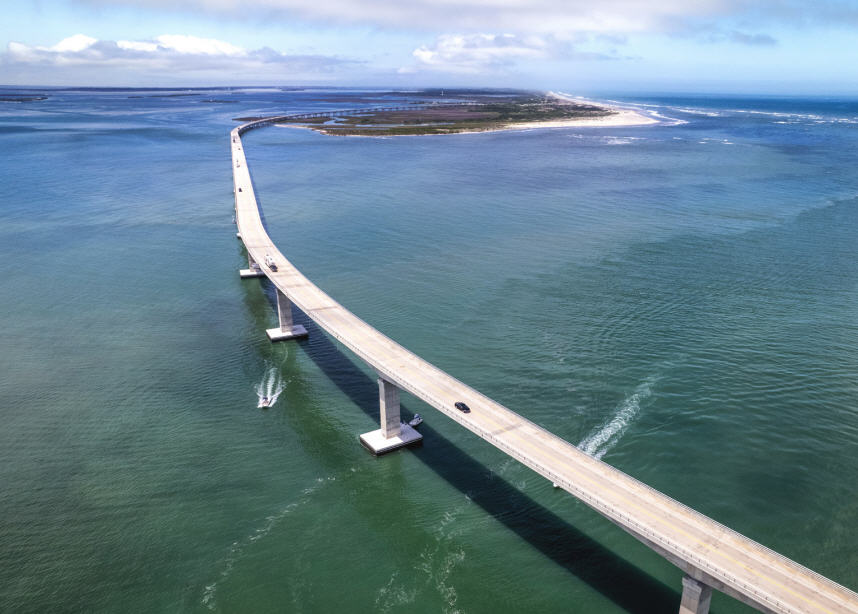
[[287, 329], [695, 597], [253, 269], [393, 433], [388, 402]]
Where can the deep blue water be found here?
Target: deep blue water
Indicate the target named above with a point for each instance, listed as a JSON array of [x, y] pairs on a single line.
[[680, 300]]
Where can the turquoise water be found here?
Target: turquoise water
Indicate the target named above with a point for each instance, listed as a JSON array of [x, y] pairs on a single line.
[[679, 300]]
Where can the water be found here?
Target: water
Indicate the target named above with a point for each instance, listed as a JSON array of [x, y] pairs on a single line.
[[678, 300]]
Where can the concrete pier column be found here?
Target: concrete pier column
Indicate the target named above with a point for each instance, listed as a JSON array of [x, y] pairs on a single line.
[[253, 269], [695, 597], [284, 311], [287, 329], [388, 401], [393, 433]]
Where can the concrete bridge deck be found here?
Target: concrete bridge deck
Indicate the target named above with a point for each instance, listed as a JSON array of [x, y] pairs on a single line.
[[711, 555]]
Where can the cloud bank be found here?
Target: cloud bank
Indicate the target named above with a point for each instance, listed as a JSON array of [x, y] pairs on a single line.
[[161, 60], [534, 16]]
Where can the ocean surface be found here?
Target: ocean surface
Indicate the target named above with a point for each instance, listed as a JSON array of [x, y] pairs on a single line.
[[679, 300]]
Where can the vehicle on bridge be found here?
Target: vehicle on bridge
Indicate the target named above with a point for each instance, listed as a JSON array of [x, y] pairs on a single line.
[[462, 407], [269, 262]]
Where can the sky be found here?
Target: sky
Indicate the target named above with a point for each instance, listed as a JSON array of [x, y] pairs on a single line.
[[707, 46]]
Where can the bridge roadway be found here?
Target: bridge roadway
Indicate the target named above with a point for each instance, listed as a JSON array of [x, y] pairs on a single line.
[[710, 554]]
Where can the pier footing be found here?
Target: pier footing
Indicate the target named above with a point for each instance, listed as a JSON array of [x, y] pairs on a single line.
[[287, 329], [278, 334], [253, 269], [378, 444], [248, 273]]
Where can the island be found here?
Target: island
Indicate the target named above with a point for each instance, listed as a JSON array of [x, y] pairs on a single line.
[[461, 112]]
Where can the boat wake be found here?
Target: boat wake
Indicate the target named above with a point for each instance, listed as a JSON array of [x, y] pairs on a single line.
[[237, 551], [270, 387], [606, 436]]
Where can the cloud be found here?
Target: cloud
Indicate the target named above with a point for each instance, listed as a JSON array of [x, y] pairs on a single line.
[[533, 16], [75, 43], [743, 38], [194, 45], [164, 59], [712, 33], [475, 53], [497, 15]]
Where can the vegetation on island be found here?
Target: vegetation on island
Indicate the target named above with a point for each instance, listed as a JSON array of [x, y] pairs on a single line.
[[466, 112]]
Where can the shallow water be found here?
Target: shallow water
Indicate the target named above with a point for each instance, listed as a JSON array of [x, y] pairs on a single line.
[[679, 300]]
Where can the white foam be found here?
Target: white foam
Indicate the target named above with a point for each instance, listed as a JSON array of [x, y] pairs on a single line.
[[692, 111], [620, 140], [606, 436], [271, 386], [794, 118], [438, 560], [615, 105], [394, 595], [236, 550]]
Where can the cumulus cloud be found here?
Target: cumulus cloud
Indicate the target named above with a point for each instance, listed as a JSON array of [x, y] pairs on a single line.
[[475, 53], [164, 59], [73, 44]]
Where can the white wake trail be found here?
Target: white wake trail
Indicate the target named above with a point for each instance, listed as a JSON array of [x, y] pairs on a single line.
[[606, 436], [272, 379], [270, 387], [237, 551]]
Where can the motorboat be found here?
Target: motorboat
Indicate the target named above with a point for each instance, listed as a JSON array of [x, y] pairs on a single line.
[[265, 402], [417, 420]]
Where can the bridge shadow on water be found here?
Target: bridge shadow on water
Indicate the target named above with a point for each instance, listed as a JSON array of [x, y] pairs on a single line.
[[623, 583]]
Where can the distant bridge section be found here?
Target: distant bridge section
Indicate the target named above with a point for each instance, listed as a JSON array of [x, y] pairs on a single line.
[[267, 121]]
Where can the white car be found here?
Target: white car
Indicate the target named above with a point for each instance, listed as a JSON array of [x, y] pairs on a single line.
[[269, 262]]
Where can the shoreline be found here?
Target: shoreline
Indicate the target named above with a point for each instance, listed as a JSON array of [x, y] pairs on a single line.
[[619, 117]]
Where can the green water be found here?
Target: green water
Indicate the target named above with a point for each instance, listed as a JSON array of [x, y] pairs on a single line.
[[678, 300]]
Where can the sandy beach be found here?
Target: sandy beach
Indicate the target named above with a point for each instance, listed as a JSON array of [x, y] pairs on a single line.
[[620, 117]]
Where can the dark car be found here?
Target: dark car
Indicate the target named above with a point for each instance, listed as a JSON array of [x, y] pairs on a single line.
[[462, 407]]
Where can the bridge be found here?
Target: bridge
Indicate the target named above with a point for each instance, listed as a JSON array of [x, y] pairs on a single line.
[[356, 112], [711, 555]]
